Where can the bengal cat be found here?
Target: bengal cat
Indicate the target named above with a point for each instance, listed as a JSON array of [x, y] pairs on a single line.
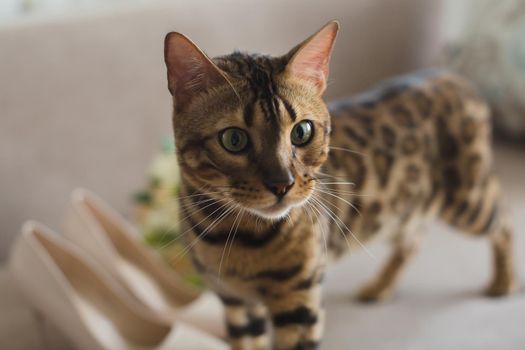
[[273, 180]]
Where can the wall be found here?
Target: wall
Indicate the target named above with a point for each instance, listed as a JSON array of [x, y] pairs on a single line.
[[83, 99]]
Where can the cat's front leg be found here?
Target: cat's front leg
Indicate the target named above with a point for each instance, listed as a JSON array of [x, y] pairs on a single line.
[[247, 324], [297, 318]]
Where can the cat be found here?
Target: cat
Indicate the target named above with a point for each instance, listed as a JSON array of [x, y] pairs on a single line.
[[275, 183]]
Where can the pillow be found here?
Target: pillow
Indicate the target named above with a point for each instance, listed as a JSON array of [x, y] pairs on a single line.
[[491, 53]]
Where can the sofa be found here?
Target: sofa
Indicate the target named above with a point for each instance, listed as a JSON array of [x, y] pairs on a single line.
[[83, 101]]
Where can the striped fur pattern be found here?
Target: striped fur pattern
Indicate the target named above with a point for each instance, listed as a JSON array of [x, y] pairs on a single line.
[[377, 166]]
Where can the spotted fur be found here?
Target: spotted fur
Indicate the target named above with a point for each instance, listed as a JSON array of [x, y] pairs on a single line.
[[378, 165]]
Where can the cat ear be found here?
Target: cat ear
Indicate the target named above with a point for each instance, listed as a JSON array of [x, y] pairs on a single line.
[[309, 60], [190, 71]]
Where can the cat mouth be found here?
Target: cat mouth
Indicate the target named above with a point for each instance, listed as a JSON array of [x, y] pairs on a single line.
[[276, 211], [279, 209]]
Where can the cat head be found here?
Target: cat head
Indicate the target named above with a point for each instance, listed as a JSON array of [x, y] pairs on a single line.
[[251, 129]]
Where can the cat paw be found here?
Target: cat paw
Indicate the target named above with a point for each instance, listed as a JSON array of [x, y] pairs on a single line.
[[500, 289], [373, 294]]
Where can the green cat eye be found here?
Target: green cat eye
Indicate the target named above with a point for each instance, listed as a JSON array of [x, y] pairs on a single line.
[[302, 133], [234, 139]]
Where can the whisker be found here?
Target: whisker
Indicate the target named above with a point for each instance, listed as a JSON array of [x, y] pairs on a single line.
[[340, 198], [325, 228], [199, 194], [335, 177], [289, 219], [205, 191], [195, 204], [204, 232], [346, 150], [335, 189], [206, 218], [235, 234], [340, 191], [330, 212], [348, 193], [174, 226], [227, 240], [336, 183], [336, 222], [323, 232]]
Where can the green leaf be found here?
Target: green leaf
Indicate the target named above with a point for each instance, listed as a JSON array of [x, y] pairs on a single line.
[[195, 280], [160, 238], [143, 197], [154, 182]]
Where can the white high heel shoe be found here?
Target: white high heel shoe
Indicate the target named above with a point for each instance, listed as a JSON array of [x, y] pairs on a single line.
[[86, 304], [99, 230]]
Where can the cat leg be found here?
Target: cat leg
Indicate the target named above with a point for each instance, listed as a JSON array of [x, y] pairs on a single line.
[[258, 327], [297, 318], [504, 280], [480, 213], [381, 288], [247, 325]]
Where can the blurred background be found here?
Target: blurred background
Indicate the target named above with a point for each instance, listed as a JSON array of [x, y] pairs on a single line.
[[83, 97]]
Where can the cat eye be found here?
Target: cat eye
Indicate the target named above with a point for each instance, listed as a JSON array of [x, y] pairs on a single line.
[[302, 133], [234, 139]]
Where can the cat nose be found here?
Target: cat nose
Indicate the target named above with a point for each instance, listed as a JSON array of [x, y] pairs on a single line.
[[280, 187]]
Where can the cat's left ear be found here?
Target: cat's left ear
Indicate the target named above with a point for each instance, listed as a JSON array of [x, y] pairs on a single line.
[[190, 71], [309, 60]]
